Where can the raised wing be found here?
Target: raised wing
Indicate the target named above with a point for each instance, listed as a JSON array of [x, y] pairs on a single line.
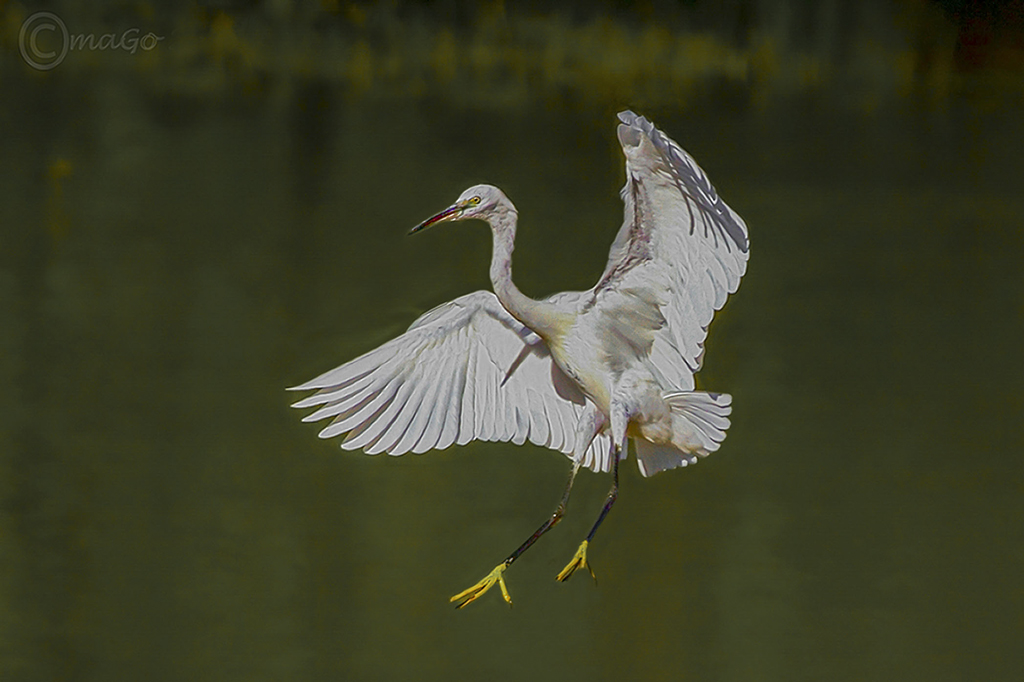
[[680, 245], [465, 370]]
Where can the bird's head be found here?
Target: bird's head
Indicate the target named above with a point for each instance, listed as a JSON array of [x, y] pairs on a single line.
[[479, 201]]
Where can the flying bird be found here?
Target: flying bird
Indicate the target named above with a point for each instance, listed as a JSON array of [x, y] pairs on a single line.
[[579, 372]]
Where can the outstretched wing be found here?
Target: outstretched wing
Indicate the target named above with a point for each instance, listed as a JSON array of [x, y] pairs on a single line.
[[465, 370], [680, 247]]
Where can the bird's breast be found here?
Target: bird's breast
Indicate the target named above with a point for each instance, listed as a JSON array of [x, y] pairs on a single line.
[[581, 362]]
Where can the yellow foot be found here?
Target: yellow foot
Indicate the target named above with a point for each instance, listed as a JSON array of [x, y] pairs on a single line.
[[578, 561], [495, 576]]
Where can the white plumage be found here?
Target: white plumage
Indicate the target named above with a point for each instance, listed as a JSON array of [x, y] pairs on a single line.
[[577, 372], [466, 370], [469, 369]]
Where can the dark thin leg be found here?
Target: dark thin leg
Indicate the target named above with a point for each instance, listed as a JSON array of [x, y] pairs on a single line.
[[551, 522], [610, 500], [495, 576], [580, 559]]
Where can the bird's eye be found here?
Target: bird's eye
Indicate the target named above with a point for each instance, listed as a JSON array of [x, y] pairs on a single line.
[[474, 201]]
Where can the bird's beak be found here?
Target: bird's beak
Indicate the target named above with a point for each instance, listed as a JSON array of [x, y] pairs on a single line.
[[450, 213]]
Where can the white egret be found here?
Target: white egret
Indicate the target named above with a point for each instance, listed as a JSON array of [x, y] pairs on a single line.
[[578, 372]]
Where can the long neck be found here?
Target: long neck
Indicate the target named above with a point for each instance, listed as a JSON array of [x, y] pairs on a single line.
[[539, 316]]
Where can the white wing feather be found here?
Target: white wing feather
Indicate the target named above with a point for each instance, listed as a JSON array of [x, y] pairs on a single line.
[[679, 242], [465, 370], [468, 370]]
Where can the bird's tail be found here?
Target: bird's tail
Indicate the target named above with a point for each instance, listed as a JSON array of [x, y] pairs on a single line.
[[699, 422]]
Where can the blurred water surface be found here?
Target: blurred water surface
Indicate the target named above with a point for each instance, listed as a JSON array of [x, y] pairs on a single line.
[[168, 266]]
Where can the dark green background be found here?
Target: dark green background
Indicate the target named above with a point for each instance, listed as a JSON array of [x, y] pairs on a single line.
[[188, 230]]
